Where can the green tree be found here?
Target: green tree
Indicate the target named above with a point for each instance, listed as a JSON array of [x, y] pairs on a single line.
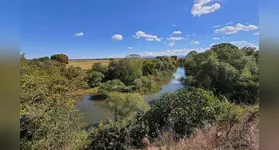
[[114, 86], [126, 70], [148, 68], [145, 85], [77, 77], [191, 54], [226, 70], [48, 117], [99, 67], [174, 57], [123, 106], [184, 111], [60, 58], [95, 79], [48, 127]]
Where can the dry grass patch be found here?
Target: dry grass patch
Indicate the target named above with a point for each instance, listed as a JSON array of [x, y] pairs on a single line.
[[87, 64]]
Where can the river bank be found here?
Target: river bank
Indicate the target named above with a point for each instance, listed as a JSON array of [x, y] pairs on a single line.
[[95, 111]]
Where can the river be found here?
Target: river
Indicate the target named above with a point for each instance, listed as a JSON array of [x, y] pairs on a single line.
[[95, 111]]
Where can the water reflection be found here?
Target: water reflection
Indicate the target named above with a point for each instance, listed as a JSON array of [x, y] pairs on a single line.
[[172, 86]]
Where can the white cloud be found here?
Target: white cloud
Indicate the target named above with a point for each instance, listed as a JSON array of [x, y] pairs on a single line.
[[234, 29], [194, 34], [241, 44], [172, 52], [216, 38], [257, 33], [117, 37], [177, 32], [79, 34], [171, 44], [217, 26], [188, 35], [130, 48], [173, 25], [200, 7], [148, 37], [175, 38], [195, 42]]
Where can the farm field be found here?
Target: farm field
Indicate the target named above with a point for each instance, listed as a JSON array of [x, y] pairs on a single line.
[[86, 64]]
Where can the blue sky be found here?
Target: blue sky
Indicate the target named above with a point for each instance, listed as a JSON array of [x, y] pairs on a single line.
[[115, 28]]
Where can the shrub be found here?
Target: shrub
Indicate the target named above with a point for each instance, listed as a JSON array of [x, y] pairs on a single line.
[[123, 106], [60, 58], [114, 86], [186, 110], [227, 70], [95, 79], [99, 67], [145, 85]]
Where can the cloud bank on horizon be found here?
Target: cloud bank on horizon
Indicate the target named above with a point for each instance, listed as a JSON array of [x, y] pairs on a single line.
[[148, 31]]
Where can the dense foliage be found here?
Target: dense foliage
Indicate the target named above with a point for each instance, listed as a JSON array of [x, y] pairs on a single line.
[[123, 106], [60, 57], [114, 86], [179, 113], [185, 110], [95, 79], [126, 70], [99, 67], [215, 78], [226, 70], [48, 117]]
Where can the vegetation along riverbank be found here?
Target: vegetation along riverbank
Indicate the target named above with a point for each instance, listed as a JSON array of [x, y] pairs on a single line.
[[216, 109]]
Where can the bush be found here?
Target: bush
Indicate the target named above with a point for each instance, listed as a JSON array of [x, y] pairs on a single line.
[[185, 110], [114, 86], [53, 128], [60, 58], [226, 70], [77, 76], [123, 106], [145, 85], [95, 79], [126, 70], [99, 67]]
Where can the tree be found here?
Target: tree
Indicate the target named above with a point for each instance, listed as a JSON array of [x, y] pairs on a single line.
[[99, 67], [191, 54], [145, 85], [123, 106], [174, 57], [133, 56], [148, 68], [113, 86], [227, 70], [126, 70], [95, 78], [184, 111], [48, 127], [47, 102], [60, 58]]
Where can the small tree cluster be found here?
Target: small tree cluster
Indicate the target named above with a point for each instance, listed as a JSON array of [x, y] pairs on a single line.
[[60, 58]]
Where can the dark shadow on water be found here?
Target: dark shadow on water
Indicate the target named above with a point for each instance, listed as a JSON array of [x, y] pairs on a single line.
[[97, 97]]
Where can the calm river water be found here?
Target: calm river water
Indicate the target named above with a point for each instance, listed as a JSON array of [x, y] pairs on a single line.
[[95, 112]]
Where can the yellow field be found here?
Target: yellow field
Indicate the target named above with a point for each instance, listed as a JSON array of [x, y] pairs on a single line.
[[86, 64]]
